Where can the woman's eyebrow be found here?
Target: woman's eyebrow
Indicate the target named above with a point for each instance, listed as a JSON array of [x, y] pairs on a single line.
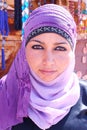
[[37, 41], [56, 43]]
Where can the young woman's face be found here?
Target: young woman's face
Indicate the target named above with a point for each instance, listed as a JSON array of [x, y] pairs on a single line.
[[48, 55]]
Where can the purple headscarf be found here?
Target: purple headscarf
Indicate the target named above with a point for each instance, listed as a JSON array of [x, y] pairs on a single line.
[[21, 86], [56, 18]]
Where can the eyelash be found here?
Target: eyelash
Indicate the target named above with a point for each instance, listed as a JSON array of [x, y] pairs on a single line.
[[39, 47], [60, 48]]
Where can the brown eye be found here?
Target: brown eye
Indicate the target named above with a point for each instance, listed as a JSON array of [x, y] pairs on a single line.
[[37, 47], [60, 48]]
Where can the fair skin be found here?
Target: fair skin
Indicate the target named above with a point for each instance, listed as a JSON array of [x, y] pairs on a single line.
[[48, 55]]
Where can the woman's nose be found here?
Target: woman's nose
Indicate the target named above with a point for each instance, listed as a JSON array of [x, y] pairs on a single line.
[[48, 58]]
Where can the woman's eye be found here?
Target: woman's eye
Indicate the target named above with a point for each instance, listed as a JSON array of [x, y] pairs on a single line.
[[37, 47], [60, 48]]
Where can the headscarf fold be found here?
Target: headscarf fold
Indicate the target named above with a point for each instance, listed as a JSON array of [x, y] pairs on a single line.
[[50, 102]]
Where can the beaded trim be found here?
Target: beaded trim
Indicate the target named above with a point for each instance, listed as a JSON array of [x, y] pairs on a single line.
[[47, 29]]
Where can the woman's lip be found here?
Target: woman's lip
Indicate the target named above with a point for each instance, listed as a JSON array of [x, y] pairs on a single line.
[[48, 71]]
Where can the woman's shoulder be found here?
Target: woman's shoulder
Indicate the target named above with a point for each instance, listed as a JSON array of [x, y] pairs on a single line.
[[83, 86], [83, 83]]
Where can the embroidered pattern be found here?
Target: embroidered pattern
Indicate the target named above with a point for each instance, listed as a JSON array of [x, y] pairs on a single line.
[[46, 29]]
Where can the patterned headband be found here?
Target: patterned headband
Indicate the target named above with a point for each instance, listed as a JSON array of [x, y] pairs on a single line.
[[48, 29]]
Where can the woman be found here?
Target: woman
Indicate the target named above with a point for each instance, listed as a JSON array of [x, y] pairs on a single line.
[[41, 90]]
